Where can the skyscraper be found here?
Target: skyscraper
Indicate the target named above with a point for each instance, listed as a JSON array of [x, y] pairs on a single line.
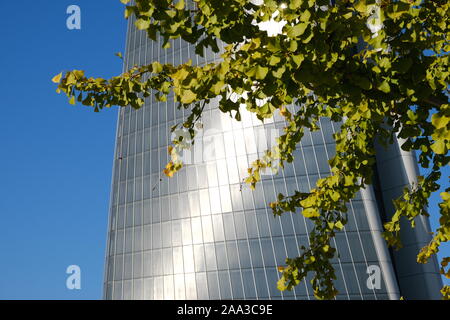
[[204, 235]]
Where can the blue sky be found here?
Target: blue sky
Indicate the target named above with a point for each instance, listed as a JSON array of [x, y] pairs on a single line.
[[56, 159]]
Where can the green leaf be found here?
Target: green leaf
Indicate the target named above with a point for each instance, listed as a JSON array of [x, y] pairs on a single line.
[[298, 59], [297, 30], [339, 225], [142, 24], [310, 212], [188, 97], [156, 67], [295, 4], [180, 5], [439, 147], [274, 60], [258, 72], [384, 86]]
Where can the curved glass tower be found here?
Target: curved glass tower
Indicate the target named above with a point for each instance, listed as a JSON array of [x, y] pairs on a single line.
[[204, 235]]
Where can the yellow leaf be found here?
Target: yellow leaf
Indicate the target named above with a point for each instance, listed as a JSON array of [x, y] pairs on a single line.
[[57, 78]]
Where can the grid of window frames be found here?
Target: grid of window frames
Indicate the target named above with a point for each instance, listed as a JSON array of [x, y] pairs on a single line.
[[203, 234]]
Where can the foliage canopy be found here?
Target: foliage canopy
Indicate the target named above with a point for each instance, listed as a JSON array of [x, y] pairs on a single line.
[[381, 68]]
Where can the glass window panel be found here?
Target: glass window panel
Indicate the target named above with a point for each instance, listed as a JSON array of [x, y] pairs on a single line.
[[202, 176], [214, 197], [109, 290], [139, 141], [194, 204], [112, 243], [184, 210], [157, 262], [122, 193], [196, 230], [210, 257], [138, 189], [236, 283], [229, 226], [310, 160], [188, 258], [233, 173], [269, 259], [225, 199], [218, 228], [247, 198], [137, 289], [244, 254], [208, 233], [129, 215], [192, 178], [272, 278], [249, 284], [199, 258], [179, 287], [117, 290], [137, 214], [224, 285], [178, 260], [261, 283], [280, 251], [121, 217], [202, 287], [322, 159], [255, 252], [287, 223], [222, 173], [174, 207], [263, 224], [165, 209], [275, 226], [219, 147], [191, 288], [239, 223], [239, 142], [250, 141], [128, 269], [177, 239], [260, 202], [137, 265], [156, 236], [119, 241], [166, 234], [158, 288], [204, 202], [291, 247], [236, 197], [137, 243], [156, 214], [147, 212], [233, 257], [186, 231], [251, 223], [147, 237], [213, 285], [167, 261], [212, 174], [118, 267], [130, 190]]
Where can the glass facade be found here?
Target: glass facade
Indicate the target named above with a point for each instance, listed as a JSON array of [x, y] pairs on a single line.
[[202, 234]]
